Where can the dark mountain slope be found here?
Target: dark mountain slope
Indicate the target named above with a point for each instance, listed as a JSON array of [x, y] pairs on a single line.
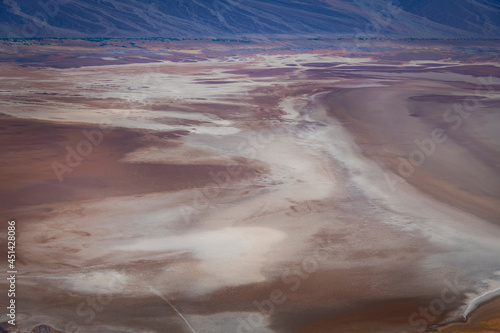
[[188, 18]]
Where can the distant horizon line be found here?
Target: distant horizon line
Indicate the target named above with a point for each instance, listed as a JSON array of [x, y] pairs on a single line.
[[268, 37]]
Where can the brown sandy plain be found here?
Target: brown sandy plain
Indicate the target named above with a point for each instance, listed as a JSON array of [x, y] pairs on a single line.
[[216, 188]]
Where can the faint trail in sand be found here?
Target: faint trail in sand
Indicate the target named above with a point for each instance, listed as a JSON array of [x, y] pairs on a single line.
[[159, 294]]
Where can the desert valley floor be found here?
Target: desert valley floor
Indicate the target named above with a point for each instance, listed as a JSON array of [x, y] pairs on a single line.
[[212, 187]]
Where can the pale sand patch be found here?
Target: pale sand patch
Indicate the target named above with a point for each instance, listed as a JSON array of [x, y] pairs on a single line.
[[95, 282], [178, 155], [227, 257], [237, 322], [114, 117]]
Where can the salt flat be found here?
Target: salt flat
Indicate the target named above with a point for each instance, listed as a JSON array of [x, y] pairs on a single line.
[[253, 196]]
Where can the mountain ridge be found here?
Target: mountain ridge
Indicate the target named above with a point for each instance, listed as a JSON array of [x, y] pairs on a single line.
[[227, 18]]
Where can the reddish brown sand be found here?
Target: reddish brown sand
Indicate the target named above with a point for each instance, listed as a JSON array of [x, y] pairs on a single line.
[[467, 188], [247, 191], [30, 148]]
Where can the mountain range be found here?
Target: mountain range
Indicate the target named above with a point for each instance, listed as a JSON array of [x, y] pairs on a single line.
[[221, 18]]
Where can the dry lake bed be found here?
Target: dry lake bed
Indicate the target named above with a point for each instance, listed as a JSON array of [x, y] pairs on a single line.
[[222, 187]]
